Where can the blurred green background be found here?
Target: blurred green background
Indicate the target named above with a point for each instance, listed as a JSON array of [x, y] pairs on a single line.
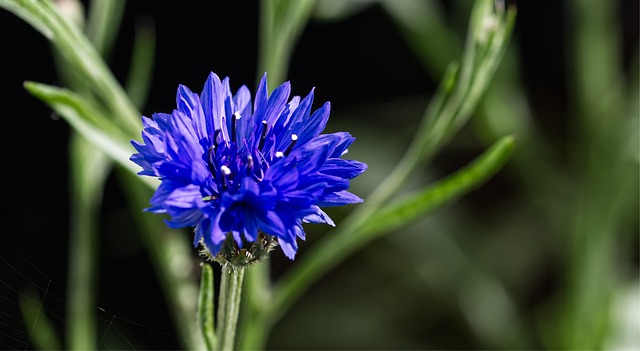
[[543, 256]]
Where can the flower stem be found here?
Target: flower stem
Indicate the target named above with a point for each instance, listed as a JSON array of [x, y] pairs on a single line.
[[229, 305], [205, 307]]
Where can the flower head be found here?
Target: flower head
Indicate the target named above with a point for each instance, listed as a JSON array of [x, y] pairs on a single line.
[[230, 167]]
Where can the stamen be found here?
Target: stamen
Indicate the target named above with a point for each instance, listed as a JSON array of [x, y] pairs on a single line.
[[249, 162], [225, 173], [234, 120], [294, 139], [215, 138], [263, 135], [211, 164], [279, 154]]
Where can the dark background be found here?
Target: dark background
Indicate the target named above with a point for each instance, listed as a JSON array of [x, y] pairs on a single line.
[[355, 62]]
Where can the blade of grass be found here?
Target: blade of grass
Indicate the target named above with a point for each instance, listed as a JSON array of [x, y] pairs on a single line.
[[603, 178]]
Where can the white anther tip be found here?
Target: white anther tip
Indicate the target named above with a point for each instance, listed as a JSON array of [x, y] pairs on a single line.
[[225, 170], [294, 137], [279, 154]]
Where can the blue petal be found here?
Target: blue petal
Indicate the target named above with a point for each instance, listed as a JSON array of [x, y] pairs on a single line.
[[212, 234], [242, 102], [312, 126], [289, 247], [185, 100], [213, 103], [261, 99], [339, 198], [346, 169], [283, 128], [184, 197], [318, 217], [276, 104], [185, 218]]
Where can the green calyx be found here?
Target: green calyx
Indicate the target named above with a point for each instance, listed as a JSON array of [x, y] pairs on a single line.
[[231, 254]]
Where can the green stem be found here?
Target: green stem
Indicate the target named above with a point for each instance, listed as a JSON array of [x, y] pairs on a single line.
[[104, 19], [229, 305], [205, 307], [281, 24]]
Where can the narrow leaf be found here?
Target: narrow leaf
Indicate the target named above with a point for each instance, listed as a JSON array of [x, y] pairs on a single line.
[[405, 211], [351, 236], [87, 121]]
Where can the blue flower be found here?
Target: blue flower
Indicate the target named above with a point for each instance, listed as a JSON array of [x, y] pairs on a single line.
[[228, 166]]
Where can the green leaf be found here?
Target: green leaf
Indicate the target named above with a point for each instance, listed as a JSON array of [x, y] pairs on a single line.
[[417, 205], [205, 307], [88, 121]]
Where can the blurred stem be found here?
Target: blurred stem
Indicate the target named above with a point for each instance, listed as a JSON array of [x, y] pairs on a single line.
[[169, 254], [257, 294], [422, 25], [229, 306], [142, 62], [103, 23], [89, 170], [602, 173], [281, 24], [42, 332]]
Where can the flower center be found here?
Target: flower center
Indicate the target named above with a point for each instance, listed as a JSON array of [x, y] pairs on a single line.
[[236, 156]]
